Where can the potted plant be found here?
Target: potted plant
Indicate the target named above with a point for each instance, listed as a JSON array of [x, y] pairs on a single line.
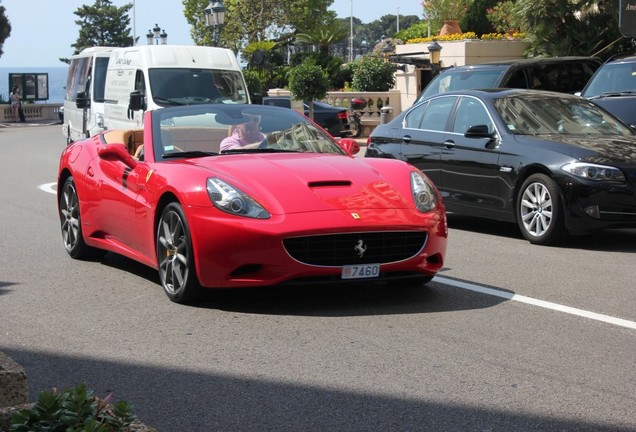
[[446, 14]]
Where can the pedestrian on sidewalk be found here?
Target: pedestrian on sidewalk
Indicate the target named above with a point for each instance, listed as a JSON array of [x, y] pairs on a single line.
[[16, 105]]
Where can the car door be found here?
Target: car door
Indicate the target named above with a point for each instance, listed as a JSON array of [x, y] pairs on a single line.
[[469, 165], [423, 133], [117, 188]]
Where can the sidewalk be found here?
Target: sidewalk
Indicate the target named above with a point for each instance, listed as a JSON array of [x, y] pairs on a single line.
[[30, 123]]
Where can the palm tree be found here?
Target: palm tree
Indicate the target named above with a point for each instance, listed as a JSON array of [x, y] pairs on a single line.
[[324, 36]]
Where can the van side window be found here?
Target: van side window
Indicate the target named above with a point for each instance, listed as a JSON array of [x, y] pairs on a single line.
[[99, 82], [517, 80]]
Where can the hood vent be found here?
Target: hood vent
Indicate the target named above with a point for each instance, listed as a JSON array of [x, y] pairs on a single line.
[[329, 183]]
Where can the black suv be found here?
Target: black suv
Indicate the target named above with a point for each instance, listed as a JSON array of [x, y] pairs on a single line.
[[560, 74], [613, 87]]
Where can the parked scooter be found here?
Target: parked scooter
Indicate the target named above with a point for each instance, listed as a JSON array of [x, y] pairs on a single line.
[[355, 118]]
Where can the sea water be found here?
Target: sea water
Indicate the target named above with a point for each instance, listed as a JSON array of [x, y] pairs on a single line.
[[57, 81]]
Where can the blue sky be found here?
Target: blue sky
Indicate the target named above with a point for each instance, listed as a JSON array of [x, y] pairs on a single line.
[[43, 30]]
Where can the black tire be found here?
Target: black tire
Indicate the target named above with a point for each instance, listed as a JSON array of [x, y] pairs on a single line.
[[539, 210], [71, 223], [175, 256], [355, 127]]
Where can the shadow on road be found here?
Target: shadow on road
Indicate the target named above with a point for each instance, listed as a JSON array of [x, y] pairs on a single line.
[[609, 240], [182, 400], [324, 299]]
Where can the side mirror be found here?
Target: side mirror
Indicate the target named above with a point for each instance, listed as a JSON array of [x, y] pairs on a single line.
[[478, 131], [82, 100], [117, 152], [349, 145], [137, 101]]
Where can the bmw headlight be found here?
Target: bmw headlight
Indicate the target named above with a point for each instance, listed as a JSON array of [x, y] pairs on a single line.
[[231, 200], [423, 191], [594, 172]]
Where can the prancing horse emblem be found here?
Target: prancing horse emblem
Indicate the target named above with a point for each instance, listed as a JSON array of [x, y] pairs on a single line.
[[360, 248]]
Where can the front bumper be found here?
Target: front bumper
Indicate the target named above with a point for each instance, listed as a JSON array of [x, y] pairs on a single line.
[[234, 251]]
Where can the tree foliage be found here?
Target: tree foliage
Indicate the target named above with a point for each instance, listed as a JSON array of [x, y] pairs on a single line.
[[249, 21], [476, 19], [571, 27], [102, 24], [324, 36], [372, 73], [307, 82], [5, 28]]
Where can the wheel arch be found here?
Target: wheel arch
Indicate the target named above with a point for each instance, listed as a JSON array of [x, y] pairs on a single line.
[[526, 172]]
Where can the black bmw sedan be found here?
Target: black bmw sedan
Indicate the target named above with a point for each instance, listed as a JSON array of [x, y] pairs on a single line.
[[551, 162]]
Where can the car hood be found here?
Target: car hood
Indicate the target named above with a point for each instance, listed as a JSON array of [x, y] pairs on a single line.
[[616, 151], [294, 182], [623, 107]]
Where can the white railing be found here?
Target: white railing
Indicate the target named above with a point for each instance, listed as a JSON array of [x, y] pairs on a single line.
[[32, 112], [371, 115]]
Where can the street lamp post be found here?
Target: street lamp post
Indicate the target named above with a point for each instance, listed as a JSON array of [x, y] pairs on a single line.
[[434, 50], [214, 19], [156, 36]]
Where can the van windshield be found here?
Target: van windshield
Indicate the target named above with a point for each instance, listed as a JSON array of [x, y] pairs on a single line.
[[461, 80], [181, 86]]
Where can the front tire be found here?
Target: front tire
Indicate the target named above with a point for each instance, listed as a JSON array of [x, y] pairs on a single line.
[[175, 256], [71, 223], [539, 210]]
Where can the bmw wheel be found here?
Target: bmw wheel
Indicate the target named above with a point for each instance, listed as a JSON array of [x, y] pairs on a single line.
[[539, 212], [71, 222], [175, 256]]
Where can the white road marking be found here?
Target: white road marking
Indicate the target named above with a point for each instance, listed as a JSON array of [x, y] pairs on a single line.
[[535, 302], [48, 187]]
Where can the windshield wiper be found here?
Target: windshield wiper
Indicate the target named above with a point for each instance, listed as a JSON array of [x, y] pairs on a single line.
[[188, 154], [614, 94], [168, 101]]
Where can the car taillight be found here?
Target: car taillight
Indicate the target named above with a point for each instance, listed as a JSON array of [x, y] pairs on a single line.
[[342, 115]]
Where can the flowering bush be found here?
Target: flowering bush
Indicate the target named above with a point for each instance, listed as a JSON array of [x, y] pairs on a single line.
[[467, 36], [501, 16]]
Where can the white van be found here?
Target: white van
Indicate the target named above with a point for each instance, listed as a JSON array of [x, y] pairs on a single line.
[[84, 99], [149, 77]]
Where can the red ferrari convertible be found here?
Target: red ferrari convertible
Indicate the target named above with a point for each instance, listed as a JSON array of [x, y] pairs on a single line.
[[245, 195]]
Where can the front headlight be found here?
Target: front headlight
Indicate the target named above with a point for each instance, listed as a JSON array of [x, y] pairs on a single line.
[[423, 191], [231, 200], [594, 172]]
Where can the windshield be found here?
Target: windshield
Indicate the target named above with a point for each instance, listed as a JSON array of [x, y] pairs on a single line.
[[206, 130], [543, 115], [462, 80], [187, 86], [612, 78]]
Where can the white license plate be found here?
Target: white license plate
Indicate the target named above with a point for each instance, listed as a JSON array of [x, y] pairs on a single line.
[[360, 271]]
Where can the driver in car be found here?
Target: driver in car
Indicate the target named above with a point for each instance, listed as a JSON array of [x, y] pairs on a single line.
[[245, 135]]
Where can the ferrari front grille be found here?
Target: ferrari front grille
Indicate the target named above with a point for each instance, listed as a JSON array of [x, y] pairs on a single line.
[[356, 248]]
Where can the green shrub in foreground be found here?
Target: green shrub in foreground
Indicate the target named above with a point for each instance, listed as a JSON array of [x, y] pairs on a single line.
[[73, 410]]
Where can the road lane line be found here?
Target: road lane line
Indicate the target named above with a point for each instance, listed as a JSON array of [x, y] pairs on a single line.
[[536, 302]]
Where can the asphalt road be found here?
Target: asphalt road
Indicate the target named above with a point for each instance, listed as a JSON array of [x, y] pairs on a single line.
[[509, 337]]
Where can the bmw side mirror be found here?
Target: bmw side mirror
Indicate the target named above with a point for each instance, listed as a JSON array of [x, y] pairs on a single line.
[[478, 131]]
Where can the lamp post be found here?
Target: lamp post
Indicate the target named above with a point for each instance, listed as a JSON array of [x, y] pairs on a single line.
[[434, 50], [156, 36], [214, 19]]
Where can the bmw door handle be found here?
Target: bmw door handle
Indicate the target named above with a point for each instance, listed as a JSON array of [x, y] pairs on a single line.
[[406, 138], [449, 144]]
